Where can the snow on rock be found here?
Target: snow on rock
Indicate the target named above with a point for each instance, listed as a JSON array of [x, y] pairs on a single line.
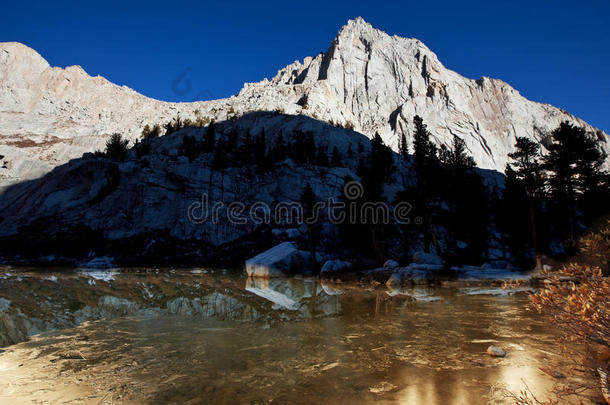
[[333, 266], [280, 260]]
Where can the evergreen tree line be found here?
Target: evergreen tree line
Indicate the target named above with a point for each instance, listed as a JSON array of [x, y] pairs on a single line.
[[549, 200], [175, 125], [545, 199], [448, 195], [242, 149], [546, 202]]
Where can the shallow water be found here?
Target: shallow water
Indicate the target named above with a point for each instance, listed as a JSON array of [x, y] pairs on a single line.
[[206, 337]]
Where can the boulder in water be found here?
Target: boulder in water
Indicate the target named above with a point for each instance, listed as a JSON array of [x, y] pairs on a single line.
[[280, 260]]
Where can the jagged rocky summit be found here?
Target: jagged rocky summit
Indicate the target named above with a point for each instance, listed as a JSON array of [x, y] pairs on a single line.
[[367, 80]]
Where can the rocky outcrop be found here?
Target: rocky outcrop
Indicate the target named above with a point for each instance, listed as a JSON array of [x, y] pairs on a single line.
[[163, 192], [281, 260], [367, 80], [335, 266], [14, 326]]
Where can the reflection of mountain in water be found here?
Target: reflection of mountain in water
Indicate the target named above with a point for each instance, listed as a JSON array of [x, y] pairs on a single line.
[[35, 302]]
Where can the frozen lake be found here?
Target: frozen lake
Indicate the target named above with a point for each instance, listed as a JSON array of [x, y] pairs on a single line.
[[207, 336]]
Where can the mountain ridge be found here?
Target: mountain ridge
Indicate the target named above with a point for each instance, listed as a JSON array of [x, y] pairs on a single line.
[[367, 80]]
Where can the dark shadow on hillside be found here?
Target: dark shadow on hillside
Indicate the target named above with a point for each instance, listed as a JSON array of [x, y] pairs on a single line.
[[53, 215]]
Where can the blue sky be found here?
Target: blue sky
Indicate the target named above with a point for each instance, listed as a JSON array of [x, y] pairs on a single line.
[[556, 52]]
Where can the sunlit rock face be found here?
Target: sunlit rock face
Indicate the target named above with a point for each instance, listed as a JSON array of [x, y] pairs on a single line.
[[366, 79], [380, 82]]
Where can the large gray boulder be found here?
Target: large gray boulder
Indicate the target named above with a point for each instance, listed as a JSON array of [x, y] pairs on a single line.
[[281, 260]]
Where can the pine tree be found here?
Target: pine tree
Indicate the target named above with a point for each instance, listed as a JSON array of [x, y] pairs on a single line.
[[174, 125], [362, 169], [141, 148], [353, 230], [220, 160], [309, 148], [169, 128], [403, 147], [574, 163], [246, 150], [189, 147], [426, 165], [322, 156], [308, 201], [378, 172], [232, 141], [360, 148], [155, 131], [297, 152], [263, 163], [336, 158], [529, 172], [514, 206], [381, 161], [116, 147], [278, 152], [260, 147], [456, 158], [146, 131], [350, 152], [425, 151], [465, 195]]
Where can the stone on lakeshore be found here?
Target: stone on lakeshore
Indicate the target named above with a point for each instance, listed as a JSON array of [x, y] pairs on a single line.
[[495, 351]]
